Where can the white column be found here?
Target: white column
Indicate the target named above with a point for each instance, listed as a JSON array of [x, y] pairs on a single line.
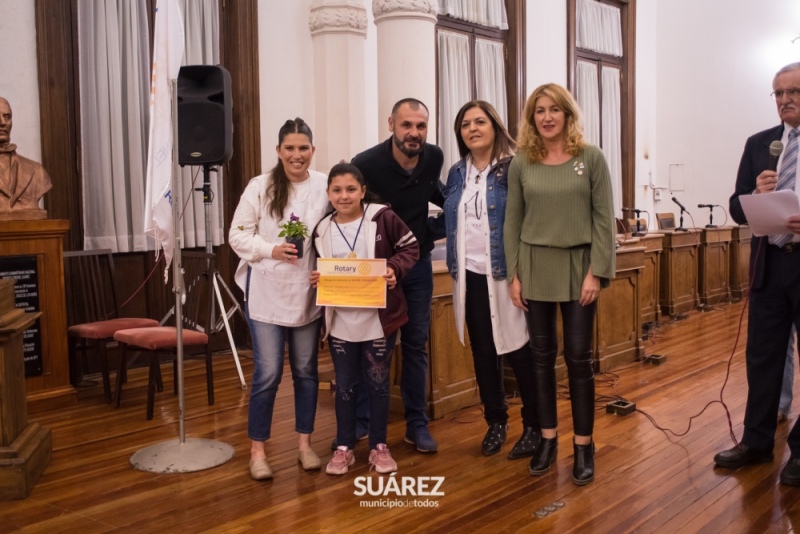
[[406, 56], [338, 30]]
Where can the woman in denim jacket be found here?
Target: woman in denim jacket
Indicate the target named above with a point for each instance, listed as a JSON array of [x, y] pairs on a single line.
[[474, 208]]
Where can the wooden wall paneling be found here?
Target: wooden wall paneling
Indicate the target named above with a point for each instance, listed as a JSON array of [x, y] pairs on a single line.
[[239, 52], [515, 71], [740, 261], [58, 102]]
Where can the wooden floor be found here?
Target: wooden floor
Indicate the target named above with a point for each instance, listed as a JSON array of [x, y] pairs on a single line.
[[646, 481]]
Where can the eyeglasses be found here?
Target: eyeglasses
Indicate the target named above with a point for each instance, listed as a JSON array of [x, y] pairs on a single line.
[[793, 93]]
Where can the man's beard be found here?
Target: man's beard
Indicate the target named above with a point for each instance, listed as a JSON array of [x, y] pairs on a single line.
[[409, 152]]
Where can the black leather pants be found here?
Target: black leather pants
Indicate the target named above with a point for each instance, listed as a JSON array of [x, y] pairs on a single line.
[[578, 324]]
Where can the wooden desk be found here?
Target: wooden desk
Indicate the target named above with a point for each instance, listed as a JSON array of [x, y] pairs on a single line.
[[714, 265], [651, 275], [618, 324], [678, 286], [740, 261]]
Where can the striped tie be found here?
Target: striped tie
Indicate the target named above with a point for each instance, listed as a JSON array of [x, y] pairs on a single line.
[[786, 178]]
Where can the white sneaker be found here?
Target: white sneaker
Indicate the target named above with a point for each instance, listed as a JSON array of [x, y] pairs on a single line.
[[342, 459], [381, 459]]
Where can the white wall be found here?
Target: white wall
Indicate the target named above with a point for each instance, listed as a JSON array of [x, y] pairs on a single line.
[[715, 63], [19, 83], [287, 75]]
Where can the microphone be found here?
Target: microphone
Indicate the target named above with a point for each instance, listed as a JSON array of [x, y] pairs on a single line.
[[775, 149], [675, 200], [706, 205], [627, 209]]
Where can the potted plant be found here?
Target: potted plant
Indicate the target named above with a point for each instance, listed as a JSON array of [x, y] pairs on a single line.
[[295, 231]]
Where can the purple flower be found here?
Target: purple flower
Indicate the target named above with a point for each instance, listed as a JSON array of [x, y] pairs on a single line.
[[293, 217]]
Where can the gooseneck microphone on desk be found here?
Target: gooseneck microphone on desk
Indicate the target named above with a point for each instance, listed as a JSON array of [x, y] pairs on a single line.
[[638, 232], [710, 214], [680, 228]]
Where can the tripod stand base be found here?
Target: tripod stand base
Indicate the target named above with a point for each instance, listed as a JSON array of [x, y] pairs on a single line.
[[195, 454]]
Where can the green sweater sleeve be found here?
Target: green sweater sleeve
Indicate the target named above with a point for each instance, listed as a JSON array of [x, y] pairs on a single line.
[[515, 212], [603, 254]]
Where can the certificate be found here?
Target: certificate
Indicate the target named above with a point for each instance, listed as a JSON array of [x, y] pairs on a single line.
[[351, 283]]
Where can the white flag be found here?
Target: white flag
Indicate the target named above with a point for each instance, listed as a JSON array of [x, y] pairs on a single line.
[[167, 56]]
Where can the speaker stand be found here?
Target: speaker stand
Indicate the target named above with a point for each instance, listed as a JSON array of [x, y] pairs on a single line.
[[218, 323]]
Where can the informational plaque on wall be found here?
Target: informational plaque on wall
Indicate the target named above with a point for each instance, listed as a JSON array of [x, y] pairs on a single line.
[[24, 270]]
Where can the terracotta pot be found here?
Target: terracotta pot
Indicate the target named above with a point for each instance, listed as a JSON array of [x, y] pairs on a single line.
[[298, 244]]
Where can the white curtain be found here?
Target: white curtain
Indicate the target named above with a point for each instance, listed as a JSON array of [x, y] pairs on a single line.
[[114, 78], [612, 131], [490, 13], [454, 90], [599, 27], [201, 28], [114, 66], [490, 75], [588, 97]]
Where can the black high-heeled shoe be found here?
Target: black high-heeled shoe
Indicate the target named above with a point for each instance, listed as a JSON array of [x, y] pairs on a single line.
[[544, 456], [583, 468], [494, 439]]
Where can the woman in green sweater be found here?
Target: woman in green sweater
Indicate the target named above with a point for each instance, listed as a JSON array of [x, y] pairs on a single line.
[[559, 244]]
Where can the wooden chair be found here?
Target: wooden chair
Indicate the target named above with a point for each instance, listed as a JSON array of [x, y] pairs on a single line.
[[666, 221], [93, 311], [198, 270]]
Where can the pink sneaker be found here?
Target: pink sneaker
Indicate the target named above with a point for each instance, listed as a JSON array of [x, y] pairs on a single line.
[[381, 459], [342, 459]]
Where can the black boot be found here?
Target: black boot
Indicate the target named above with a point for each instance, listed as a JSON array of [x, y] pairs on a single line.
[[494, 438], [583, 468], [544, 456], [526, 444]]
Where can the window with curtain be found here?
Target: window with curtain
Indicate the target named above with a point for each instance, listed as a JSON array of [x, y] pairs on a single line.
[[471, 64], [114, 85], [603, 85]]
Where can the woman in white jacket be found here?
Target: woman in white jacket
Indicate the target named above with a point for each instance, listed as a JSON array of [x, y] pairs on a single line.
[[279, 301]]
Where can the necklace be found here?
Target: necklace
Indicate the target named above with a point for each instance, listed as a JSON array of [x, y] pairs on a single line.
[[480, 171], [358, 231]]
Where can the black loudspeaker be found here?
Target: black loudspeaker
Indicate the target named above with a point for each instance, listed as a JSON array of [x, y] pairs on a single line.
[[205, 120]]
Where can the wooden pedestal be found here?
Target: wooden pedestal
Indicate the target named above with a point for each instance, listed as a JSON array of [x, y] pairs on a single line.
[[618, 323], [678, 286], [740, 261], [45, 240], [651, 275], [25, 449], [714, 279]]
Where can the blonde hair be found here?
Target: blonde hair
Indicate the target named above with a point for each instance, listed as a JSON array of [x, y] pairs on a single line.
[[529, 140]]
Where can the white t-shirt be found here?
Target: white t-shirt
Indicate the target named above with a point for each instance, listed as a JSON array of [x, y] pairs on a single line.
[[473, 202], [353, 324]]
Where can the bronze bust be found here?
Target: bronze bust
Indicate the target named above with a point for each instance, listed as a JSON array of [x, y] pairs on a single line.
[[22, 181]]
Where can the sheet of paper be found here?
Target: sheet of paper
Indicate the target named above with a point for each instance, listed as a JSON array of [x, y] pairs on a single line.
[[351, 283], [768, 213]]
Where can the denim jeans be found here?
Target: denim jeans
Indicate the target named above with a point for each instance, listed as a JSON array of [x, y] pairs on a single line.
[[362, 366], [269, 341], [418, 289]]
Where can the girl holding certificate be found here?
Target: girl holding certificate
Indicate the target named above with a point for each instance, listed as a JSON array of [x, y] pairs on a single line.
[[474, 208], [279, 302], [362, 339]]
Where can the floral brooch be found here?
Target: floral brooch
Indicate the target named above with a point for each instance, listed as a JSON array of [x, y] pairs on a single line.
[[578, 167]]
